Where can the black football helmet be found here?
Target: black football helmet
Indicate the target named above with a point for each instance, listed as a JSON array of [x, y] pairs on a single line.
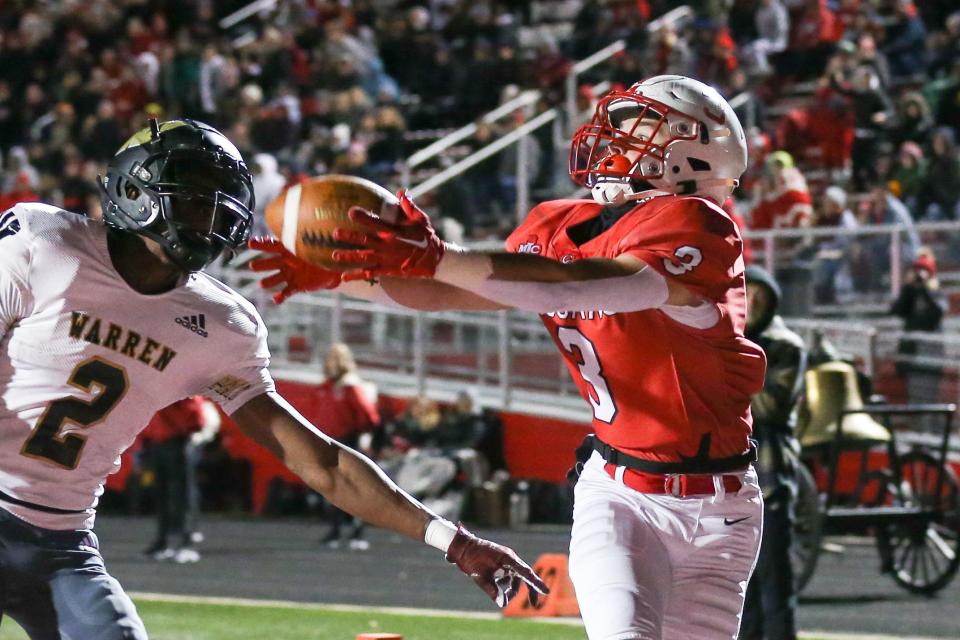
[[184, 185]]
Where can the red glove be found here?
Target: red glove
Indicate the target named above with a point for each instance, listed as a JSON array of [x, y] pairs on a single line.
[[496, 569], [408, 248], [295, 274]]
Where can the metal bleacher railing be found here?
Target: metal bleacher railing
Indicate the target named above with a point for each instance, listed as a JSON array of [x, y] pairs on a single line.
[[675, 16], [526, 103], [508, 357]]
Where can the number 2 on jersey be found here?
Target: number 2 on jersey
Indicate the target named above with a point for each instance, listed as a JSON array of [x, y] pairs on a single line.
[[604, 408], [46, 441]]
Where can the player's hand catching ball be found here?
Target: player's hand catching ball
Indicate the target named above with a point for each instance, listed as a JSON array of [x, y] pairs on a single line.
[[494, 568], [294, 274], [408, 248]]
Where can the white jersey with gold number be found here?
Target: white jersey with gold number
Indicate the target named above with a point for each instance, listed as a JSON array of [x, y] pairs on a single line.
[[85, 360]]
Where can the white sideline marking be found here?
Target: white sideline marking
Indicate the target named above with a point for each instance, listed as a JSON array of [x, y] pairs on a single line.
[[430, 613], [289, 604]]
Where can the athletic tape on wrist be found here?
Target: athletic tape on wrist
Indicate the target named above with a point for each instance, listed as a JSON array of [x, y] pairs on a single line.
[[440, 534]]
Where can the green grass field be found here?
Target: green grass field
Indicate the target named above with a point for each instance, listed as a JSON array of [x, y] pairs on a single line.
[[213, 621], [181, 621]]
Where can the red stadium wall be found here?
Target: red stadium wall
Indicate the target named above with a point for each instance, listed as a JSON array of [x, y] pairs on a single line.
[[535, 447]]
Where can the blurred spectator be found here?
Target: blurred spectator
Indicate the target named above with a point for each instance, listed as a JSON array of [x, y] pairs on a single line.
[[948, 99], [909, 174], [487, 193], [945, 49], [669, 54], [714, 53], [773, 32], [268, 182], [102, 134], [939, 198], [417, 426], [19, 172], [922, 305], [874, 252], [165, 452], [461, 424], [783, 198], [905, 41], [868, 55], [813, 32], [349, 407], [872, 112], [913, 121], [831, 276], [20, 191]]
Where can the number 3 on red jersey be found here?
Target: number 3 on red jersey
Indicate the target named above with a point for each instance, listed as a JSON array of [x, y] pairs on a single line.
[[577, 344]]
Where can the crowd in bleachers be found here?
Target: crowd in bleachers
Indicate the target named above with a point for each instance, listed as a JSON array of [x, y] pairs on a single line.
[[314, 86]]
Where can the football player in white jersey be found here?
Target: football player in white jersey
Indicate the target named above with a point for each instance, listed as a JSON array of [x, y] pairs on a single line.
[[101, 325]]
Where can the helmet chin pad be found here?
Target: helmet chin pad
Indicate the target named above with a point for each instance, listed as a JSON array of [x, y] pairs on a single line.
[[616, 191]]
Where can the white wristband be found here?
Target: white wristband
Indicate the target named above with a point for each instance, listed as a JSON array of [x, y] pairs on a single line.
[[440, 534]]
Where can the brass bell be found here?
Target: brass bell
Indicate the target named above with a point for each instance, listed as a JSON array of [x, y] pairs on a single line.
[[831, 388]]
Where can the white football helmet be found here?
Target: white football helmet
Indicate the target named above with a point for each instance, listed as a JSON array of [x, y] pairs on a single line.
[[667, 134]]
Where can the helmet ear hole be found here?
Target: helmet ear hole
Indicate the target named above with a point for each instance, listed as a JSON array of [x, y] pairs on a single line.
[[130, 190]]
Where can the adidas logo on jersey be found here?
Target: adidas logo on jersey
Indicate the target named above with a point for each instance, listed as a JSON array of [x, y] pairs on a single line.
[[197, 324]]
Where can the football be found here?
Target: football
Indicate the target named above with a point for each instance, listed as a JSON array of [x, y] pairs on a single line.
[[305, 215]]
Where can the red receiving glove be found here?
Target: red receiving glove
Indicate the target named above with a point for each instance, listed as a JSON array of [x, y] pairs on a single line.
[[494, 568], [409, 248], [295, 274]]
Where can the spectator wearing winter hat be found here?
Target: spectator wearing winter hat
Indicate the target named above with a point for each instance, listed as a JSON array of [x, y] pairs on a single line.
[[784, 199], [921, 304], [913, 121], [909, 174]]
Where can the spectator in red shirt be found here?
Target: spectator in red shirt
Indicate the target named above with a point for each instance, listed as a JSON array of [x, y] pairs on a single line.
[[21, 192], [165, 446], [346, 407], [784, 200]]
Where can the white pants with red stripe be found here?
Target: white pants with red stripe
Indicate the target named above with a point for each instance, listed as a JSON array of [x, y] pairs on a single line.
[[652, 567]]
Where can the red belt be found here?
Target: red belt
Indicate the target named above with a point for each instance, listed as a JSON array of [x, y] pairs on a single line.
[[678, 485]]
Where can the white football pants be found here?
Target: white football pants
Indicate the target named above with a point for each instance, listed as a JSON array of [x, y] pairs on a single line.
[[656, 567]]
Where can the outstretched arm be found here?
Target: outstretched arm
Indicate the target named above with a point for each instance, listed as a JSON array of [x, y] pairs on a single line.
[[411, 248], [353, 483], [530, 282], [292, 275]]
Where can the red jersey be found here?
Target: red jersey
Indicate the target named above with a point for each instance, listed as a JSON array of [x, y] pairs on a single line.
[[180, 419], [660, 390], [345, 409]]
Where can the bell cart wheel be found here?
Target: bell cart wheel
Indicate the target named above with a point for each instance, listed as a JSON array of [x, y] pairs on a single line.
[[923, 560], [807, 529]]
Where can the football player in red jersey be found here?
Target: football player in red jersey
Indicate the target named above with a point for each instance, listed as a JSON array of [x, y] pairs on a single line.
[[642, 289]]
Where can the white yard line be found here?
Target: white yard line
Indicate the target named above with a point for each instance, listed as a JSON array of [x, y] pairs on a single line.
[[433, 613]]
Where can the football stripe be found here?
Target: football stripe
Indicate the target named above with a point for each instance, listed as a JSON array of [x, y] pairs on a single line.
[[291, 218]]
